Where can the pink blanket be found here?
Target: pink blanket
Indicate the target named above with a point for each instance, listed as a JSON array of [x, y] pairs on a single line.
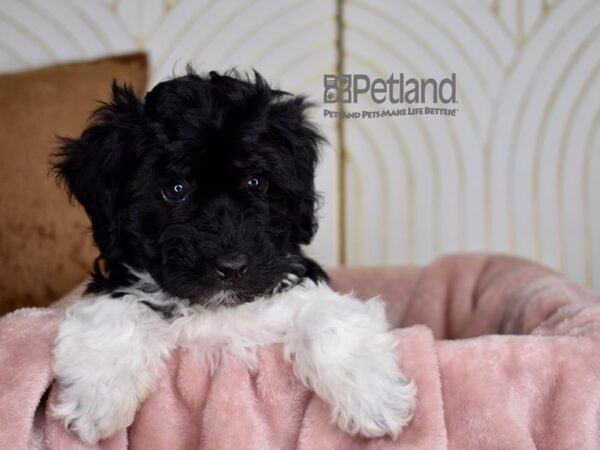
[[508, 359]]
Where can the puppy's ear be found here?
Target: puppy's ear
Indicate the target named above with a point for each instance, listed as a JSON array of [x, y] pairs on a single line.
[[94, 167], [302, 138], [307, 225], [307, 158]]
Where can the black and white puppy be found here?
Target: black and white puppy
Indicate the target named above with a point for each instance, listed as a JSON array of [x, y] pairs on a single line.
[[200, 199]]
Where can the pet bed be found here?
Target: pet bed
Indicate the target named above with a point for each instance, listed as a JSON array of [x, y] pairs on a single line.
[[504, 353]]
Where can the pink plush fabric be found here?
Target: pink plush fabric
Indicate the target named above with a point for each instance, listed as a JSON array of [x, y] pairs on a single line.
[[508, 359]]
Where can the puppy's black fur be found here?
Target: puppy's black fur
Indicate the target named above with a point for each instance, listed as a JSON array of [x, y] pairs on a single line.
[[207, 185]]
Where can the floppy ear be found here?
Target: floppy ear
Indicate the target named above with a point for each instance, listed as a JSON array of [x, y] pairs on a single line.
[[94, 167], [289, 118], [307, 158], [307, 225]]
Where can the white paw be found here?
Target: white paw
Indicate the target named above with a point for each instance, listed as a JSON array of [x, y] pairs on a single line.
[[94, 412], [375, 404], [107, 356], [343, 350]]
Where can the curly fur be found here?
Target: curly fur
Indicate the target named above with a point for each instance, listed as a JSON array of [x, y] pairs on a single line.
[[200, 199], [214, 132]]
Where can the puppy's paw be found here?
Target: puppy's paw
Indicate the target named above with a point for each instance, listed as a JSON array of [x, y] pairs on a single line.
[[107, 357], [93, 415], [376, 404], [342, 349]]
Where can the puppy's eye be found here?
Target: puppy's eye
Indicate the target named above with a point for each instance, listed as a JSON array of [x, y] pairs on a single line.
[[175, 191], [256, 184]]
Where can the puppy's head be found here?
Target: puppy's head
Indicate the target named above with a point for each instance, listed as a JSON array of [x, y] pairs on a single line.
[[207, 185]]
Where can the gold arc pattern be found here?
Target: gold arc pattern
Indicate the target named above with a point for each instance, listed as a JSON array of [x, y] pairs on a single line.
[[432, 157], [589, 261], [560, 169], [91, 23], [451, 131], [535, 188], [513, 145], [525, 24]]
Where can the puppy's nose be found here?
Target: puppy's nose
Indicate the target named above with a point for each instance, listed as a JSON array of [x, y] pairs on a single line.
[[231, 267]]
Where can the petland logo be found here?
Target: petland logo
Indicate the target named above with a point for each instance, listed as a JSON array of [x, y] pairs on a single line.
[[351, 88]]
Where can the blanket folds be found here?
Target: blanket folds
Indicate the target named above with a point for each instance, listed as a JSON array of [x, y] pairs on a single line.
[[504, 352]]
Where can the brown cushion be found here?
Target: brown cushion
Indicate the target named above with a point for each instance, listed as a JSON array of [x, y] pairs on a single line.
[[45, 243]]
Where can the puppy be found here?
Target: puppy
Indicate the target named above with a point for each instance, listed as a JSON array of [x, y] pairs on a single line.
[[200, 198]]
